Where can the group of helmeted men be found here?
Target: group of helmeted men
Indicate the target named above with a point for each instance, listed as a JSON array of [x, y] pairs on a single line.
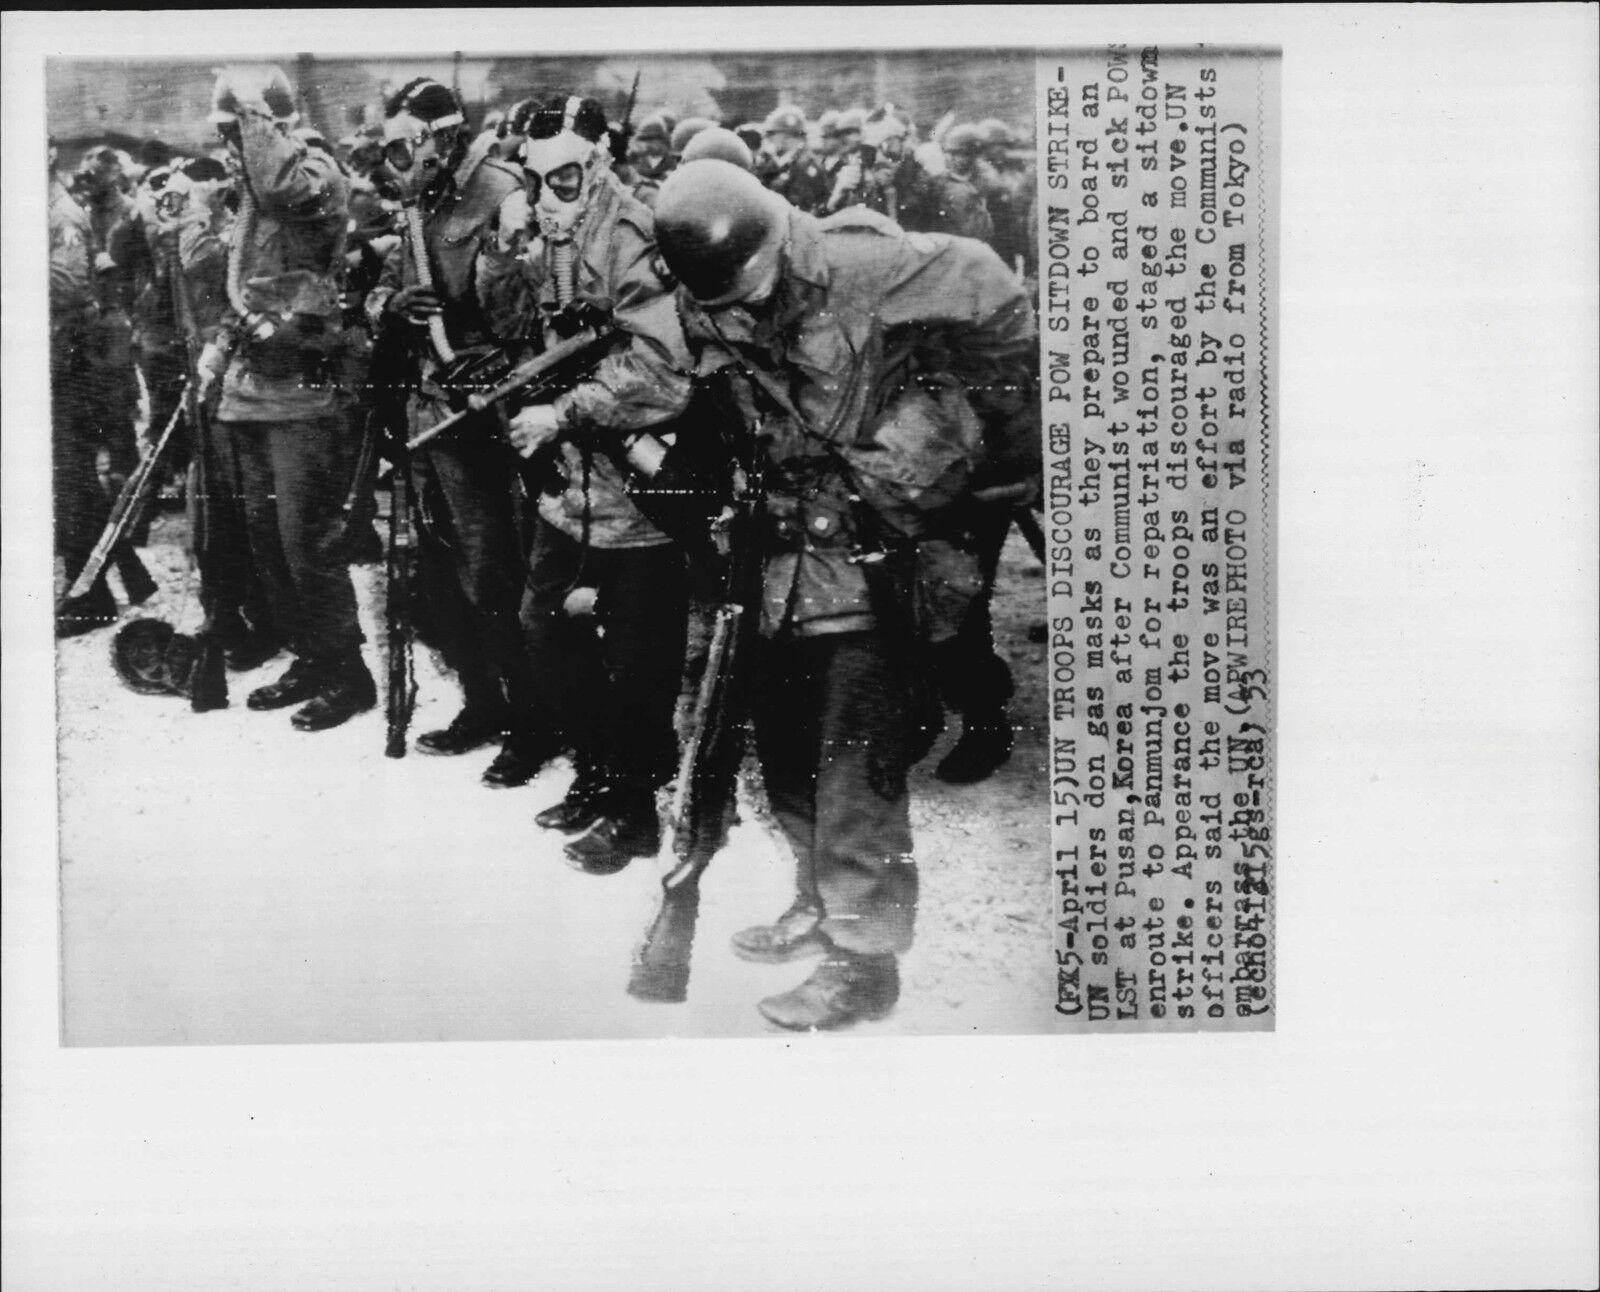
[[850, 325]]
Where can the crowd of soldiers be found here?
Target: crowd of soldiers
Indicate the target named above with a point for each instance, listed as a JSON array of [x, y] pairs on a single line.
[[834, 315]]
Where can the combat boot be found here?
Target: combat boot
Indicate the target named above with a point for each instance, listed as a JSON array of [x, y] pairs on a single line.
[[472, 728], [627, 827], [795, 934], [846, 988], [94, 609], [582, 806], [984, 745], [301, 681], [347, 689], [520, 759]]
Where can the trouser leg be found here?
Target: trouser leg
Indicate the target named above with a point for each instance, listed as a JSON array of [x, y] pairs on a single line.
[[310, 464], [231, 583], [81, 506], [475, 485], [836, 778], [563, 650], [643, 615], [973, 679]]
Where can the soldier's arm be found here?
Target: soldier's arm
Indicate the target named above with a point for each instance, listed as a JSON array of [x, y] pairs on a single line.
[[646, 381], [71, 287], [290, 182], [390, 280]]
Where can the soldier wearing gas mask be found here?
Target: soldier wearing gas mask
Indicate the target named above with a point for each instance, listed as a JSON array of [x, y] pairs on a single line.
[[867, 364], [471, 572], [278, 358], [608, 673]]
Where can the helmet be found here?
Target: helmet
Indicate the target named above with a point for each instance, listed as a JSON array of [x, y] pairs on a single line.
[[995, 133], [723, 145], [788, 119], [260, 88], [686, 130], [850, 120], [719, 230], [153, 658], [884, 123], [653, 129], [963, 140], [828, 124]]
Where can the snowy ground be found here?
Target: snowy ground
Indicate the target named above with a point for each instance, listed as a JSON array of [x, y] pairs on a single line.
[[225, 878]]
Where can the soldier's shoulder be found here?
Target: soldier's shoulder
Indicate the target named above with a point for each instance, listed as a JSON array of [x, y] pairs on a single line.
[[858, 220]]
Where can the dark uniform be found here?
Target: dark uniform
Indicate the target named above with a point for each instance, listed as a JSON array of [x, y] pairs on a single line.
[[799, 179], [861, 316], [283, 409], [607, 683], [471, 572]]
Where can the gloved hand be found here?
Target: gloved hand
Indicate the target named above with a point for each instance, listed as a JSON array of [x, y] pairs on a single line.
[[415, 304], [209, 369], [849, 178], [533, 428]]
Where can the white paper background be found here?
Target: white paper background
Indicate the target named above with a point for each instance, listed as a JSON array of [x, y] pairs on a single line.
[[1425, 1114]]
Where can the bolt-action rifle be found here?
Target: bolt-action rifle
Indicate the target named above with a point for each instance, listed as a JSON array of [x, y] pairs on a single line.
[[704, 802]]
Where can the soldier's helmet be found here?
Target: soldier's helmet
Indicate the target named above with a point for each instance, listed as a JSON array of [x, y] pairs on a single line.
[[828, 124], [850, 121], [785, 120], [963, 141], [686, 130], [240, 85], [654, 129], [720, 145], [719, 230]]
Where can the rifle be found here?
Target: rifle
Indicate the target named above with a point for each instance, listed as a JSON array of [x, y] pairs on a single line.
[[527, 380], [129, 509], [624, 133], [400, 681], [705, 799], [209, 680]]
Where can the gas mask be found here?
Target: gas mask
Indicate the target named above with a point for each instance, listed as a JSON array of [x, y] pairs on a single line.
[[416, 154], [561, 173]]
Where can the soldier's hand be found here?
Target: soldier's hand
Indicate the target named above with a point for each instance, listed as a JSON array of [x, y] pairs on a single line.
[[849, 177], [103, 261], [533, 428], [415, 304]]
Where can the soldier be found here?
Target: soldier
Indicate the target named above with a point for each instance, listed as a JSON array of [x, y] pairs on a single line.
[[937, 192], [278, 360], [650, 156], [81, 506], [471, 569], [852, 178], [608, 674], [786, 166], [121, 264], [723, 145], [836, 340]]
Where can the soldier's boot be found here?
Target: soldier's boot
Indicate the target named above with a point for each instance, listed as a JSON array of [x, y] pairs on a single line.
[[583, 805], [96, 608], [136, 580], [847, 987], [302, 680], [626, 828], [795, 934], [985, 744], [474, 727], [347, 689], [520, 759]]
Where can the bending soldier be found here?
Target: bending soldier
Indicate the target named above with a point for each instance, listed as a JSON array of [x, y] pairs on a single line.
[[841, 341]]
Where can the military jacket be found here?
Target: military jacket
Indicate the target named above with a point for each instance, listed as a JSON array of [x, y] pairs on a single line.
[[641, 384], [800, 181], [289, 242], [862, 311]]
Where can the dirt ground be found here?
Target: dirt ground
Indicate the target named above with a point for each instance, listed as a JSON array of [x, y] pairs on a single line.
[[225, 878]]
